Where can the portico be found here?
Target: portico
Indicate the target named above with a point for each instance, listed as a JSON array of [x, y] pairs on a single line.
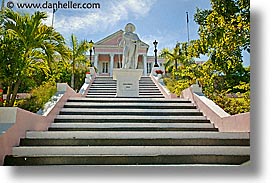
[[108, 55]]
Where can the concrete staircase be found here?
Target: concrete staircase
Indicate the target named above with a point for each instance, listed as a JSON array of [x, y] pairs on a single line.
[[106, 87], [130, 131]]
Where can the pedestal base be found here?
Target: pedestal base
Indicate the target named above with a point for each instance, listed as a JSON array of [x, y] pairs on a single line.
[[127, 82]]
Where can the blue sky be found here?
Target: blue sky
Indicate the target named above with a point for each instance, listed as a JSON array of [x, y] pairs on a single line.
[[161, 20]]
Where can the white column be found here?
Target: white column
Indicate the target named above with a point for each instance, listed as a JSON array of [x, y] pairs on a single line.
[[145, 65], [96, 61], [111, 64]]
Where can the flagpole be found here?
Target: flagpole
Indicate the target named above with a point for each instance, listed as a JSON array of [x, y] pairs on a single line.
[[187, 20], [54, 10]]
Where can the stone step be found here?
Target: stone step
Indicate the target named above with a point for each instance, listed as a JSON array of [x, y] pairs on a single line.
[[114, 96], [134, 142], [134, 135], [131, 150], [149, 91], [148, 88], [114, 91], [114, 82], [128, 100], [132, 127], [102, 85], [111, 78], [208, 159], [146, 81], [155, 93], [100, 96], [102, 88], [147, 84], [139, 112], [130, 119], [95, 86], [132, 105], [105, 82], [112, 85], [151, 96], [141, 95]]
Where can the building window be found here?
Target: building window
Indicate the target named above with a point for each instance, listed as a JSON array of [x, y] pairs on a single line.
[[119, 64], [149, 67], [105, 67]]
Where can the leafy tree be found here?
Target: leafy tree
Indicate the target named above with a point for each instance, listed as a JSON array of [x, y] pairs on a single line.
[[77, 55], [25, 43], [224, 33], [178, 56]]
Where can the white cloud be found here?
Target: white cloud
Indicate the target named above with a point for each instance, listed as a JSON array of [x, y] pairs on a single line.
[[99, 20], [164, 40]]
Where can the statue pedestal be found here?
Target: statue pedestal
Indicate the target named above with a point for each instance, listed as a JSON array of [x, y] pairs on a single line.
[[127, 82]]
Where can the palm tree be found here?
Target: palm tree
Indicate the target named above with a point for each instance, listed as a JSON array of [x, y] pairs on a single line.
[[2, 14], [34, 41], [77, 55], [3, 6], [176, 57]]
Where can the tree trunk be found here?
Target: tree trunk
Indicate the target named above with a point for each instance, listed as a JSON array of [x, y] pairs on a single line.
[[8, 95], [14, 93], [72, 81]]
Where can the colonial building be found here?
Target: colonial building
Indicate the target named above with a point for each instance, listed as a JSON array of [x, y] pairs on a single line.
[[108, 55]]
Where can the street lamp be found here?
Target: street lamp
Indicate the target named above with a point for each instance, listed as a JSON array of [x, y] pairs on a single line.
[[91, 43], [156, 58]]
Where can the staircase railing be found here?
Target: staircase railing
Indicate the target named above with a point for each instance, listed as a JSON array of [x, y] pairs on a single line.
[[222, 120], [20, 121], [90, 77]]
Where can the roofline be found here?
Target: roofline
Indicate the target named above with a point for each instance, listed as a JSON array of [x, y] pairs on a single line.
[[111, 35], [108, 37]]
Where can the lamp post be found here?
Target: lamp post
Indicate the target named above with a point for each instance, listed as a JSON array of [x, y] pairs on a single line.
[[91, 43], [156, 58]]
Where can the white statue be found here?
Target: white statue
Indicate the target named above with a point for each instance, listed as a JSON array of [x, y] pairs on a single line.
[[131, 44]]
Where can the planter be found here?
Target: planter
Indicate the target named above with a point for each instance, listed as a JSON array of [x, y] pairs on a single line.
[[159, 76]]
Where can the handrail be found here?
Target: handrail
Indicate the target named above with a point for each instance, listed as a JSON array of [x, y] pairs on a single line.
[[223, 121], [22, 121], [162, 88]]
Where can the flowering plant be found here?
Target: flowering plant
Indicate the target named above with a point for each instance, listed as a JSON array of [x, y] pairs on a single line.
[[159, 71]]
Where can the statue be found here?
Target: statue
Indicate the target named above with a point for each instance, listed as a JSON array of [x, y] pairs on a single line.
[[131, 43]]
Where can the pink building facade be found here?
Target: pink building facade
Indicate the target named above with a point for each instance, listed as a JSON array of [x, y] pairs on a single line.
[[108, 55]]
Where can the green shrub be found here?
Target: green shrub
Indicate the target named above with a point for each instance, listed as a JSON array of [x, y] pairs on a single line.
[[39, 97], [232, 105], [228, 101]]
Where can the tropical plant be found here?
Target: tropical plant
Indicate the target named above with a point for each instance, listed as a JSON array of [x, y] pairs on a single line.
[[39, 96], [77, 55], [25, 43], [176, 57]]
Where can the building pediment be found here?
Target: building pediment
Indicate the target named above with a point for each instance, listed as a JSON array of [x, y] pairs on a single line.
[[113, 40]]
